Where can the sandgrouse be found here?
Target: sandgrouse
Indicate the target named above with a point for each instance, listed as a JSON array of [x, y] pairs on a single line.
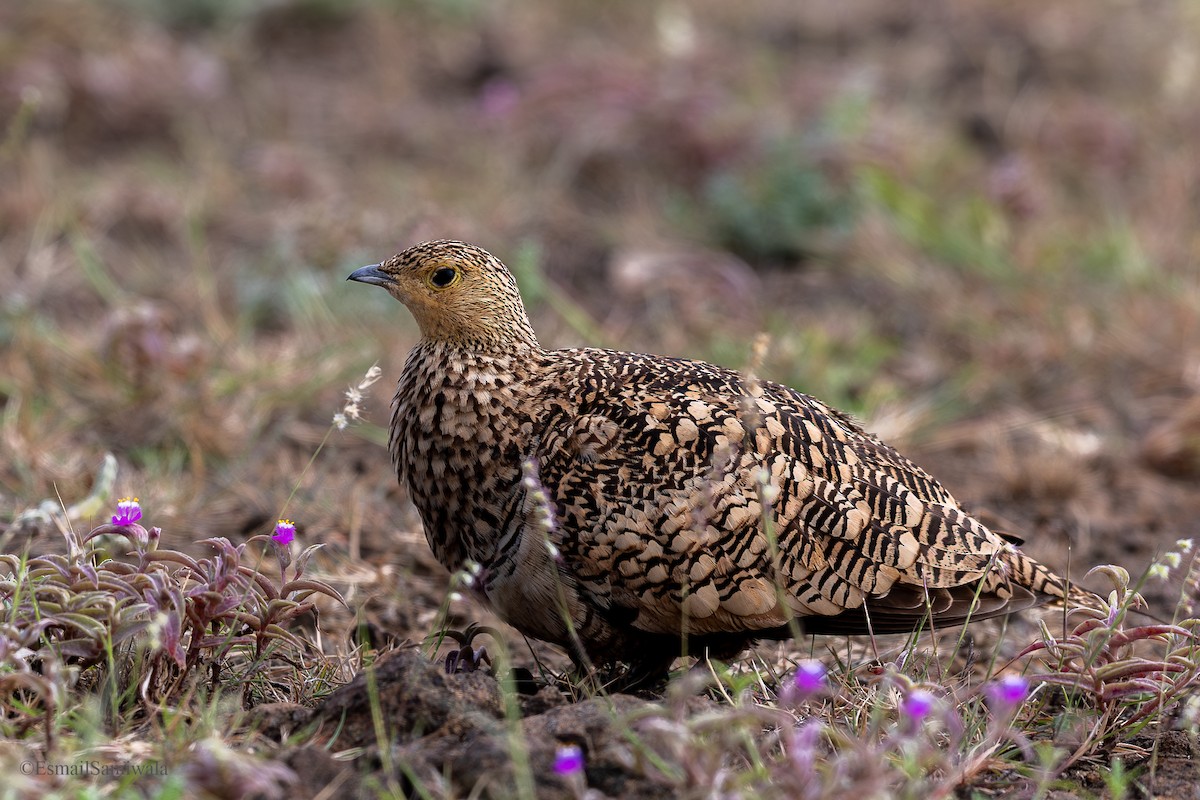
[[659, 504]]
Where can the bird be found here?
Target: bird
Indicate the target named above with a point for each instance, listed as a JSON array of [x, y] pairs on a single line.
[[634, 508]]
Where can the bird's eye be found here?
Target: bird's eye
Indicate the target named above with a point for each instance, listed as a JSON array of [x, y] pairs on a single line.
[[443, 277]]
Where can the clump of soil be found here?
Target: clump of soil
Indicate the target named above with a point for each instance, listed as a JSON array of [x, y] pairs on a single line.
[[405, 721]]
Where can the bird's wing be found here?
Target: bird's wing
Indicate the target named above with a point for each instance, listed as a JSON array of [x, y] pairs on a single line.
[[659, 471]]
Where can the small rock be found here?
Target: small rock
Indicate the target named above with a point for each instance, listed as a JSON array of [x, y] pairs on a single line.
[[415, 697]]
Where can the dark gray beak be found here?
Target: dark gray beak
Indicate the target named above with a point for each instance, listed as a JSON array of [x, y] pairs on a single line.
[[372, 274]]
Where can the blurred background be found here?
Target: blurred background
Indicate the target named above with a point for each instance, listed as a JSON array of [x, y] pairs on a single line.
[[972, 223]]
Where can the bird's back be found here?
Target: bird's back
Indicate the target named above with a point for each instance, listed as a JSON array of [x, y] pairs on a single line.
[[687, 497]]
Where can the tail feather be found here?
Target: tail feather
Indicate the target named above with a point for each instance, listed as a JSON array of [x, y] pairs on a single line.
[[1040, 579]]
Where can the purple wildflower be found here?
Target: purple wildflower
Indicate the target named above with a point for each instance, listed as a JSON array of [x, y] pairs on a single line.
[[499, 98], [917, 704], [809, 678], [805, 750], [285, 532], [129, 511], [568, 760], [1008, 693]]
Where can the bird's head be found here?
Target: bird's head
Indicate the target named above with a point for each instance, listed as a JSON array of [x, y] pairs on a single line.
[[459, 294]]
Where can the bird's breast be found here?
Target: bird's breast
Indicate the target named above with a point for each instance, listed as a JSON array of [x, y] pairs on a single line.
[[460, 431]]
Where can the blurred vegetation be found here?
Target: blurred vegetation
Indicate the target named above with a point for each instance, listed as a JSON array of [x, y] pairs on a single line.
[[972, 223]]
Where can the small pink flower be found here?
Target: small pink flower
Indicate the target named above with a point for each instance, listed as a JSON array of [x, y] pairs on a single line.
[[1008, 693], [917, 704], [809, 678], [285, 532], [129, 511], [498, 98], [568, 760]]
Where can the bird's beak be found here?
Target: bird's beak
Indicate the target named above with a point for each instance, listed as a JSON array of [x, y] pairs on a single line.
[[372, 274]]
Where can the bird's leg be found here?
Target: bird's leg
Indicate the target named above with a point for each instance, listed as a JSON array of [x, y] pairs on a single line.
[[467, 658]]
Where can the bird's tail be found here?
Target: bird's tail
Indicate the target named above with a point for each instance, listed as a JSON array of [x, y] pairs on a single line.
[[1041, 580]]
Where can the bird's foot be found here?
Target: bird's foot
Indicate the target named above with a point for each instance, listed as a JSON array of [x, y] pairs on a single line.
[[467, 658]]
